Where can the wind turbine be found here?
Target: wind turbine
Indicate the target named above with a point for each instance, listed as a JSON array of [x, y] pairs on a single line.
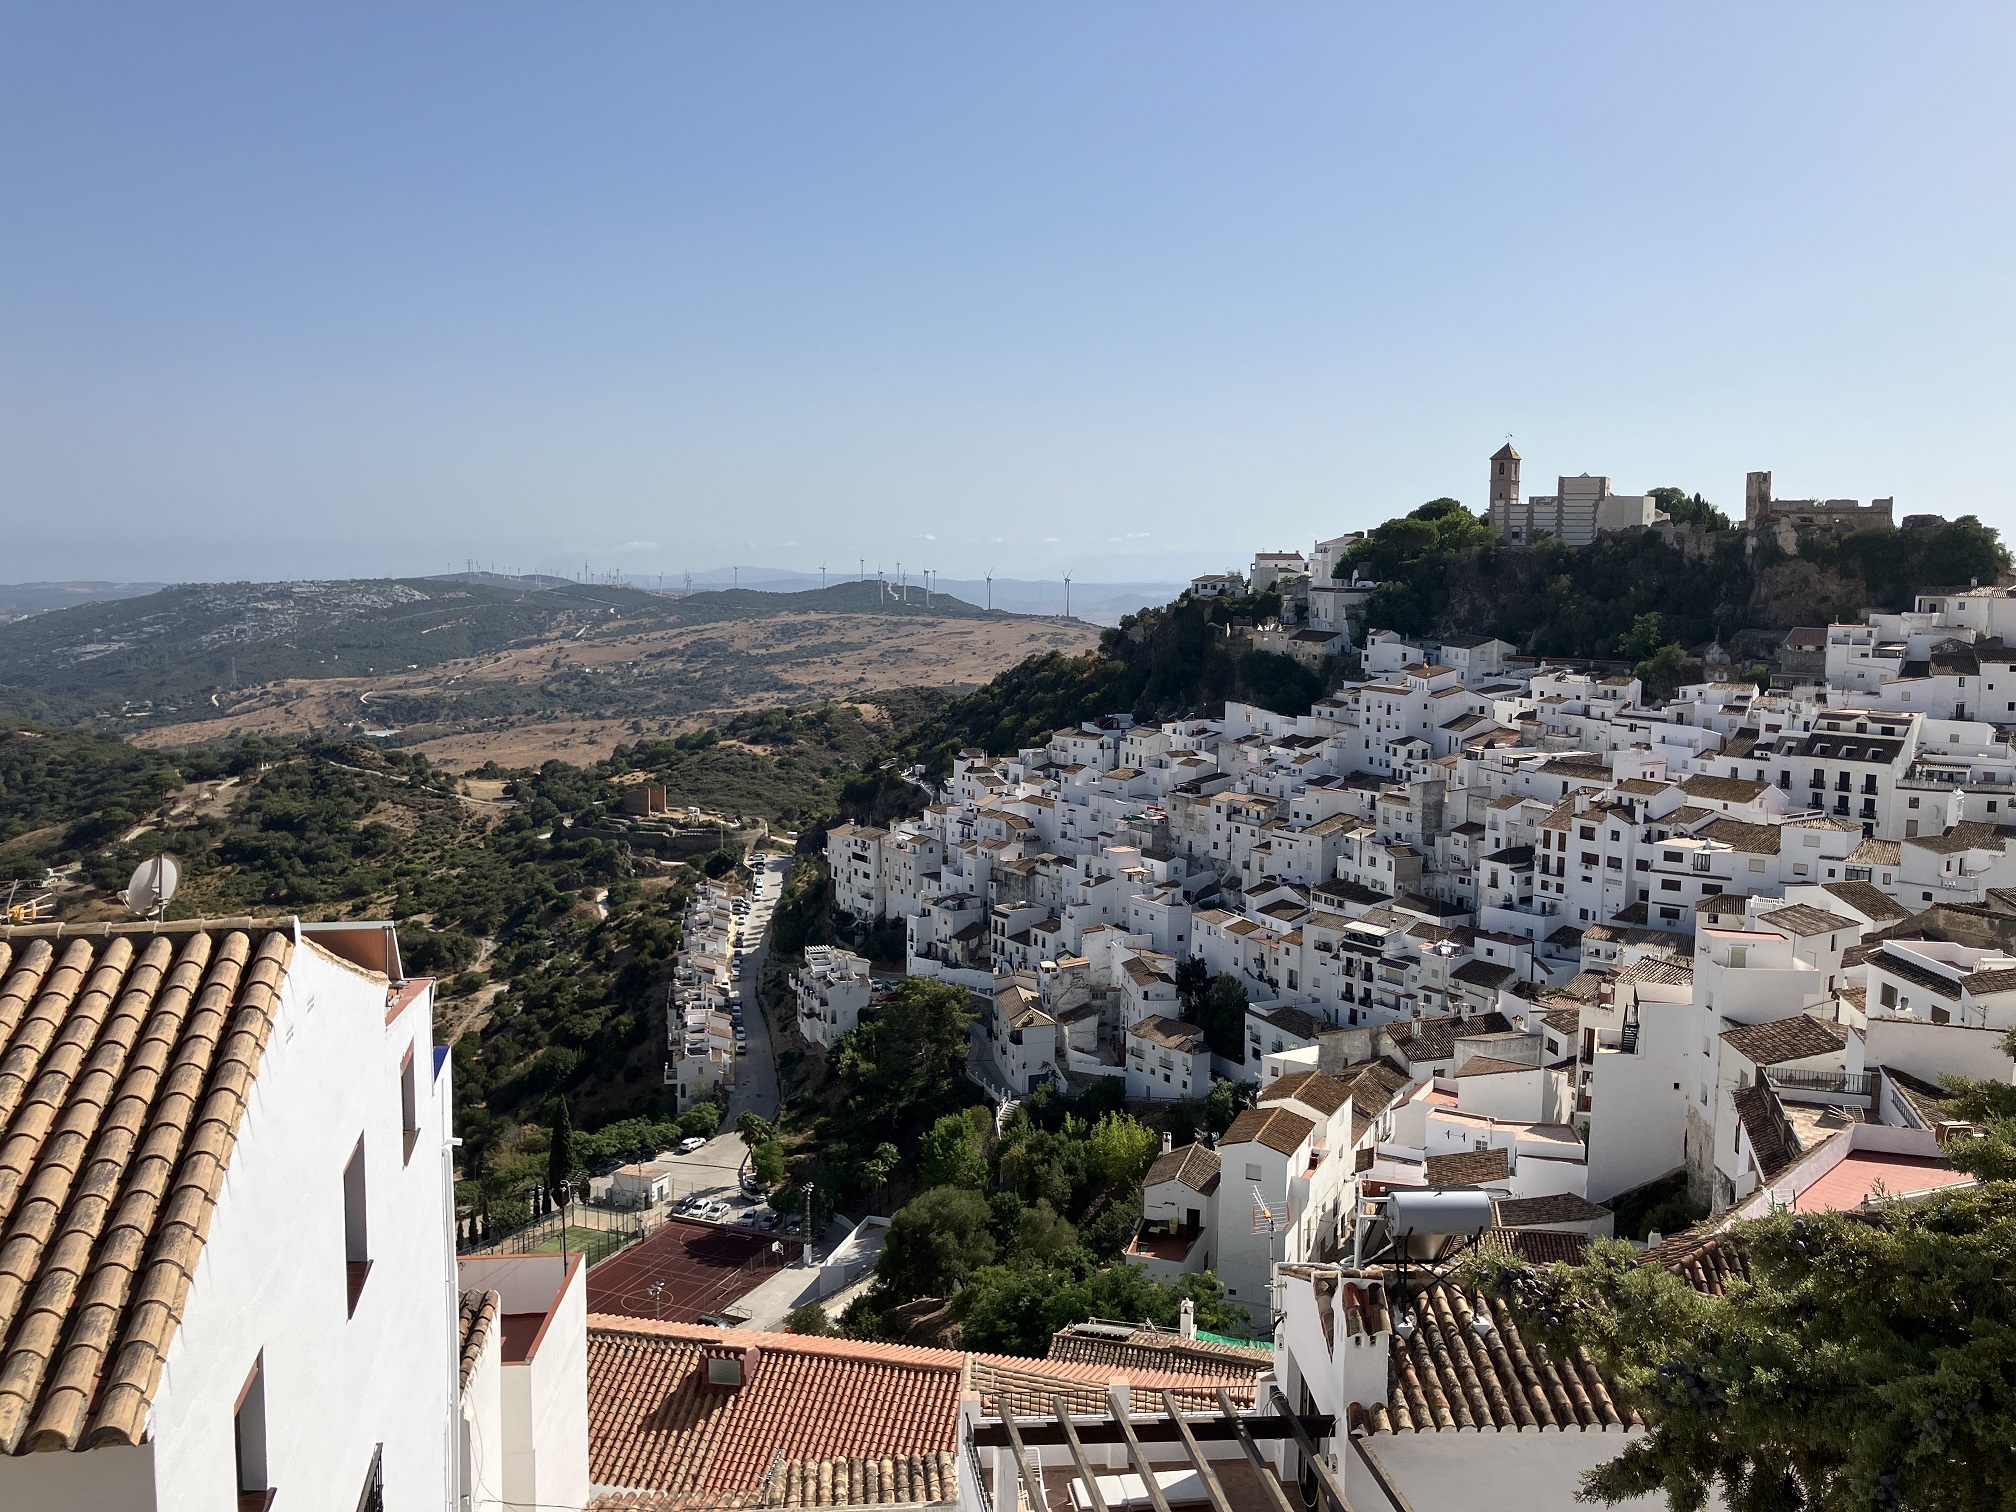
[[1067, 595], [822, 577], [990, 588]]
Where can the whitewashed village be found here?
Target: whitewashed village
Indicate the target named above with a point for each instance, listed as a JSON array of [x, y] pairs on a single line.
[[1509, 941]]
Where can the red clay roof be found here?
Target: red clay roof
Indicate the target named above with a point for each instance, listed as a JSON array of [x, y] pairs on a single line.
[[831, 1405]]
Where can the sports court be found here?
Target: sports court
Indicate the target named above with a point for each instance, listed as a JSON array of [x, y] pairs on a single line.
[[704, 1270]]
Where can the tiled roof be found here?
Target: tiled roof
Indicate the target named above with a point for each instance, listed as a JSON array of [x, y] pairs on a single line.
[[1707, 1260], [859, 1422], [1170, 1033], [1155, 1350], [1802, 920], [1490, 1065], [1912, 972], [131, 1057], [1751, 839], [1194, 1164], [1276, 1128], [1785, 1039], [1877, 853], [1723, 789], [1561, 1207], [1323, 1093], [479, 1311], [1982, 983], [1468, 1168], [1448, 1375], [1028, 1387], [1655, 969], [1487, 974], [1536, 1246], [1434, 1039], [1869, 900], [1757, 1111]]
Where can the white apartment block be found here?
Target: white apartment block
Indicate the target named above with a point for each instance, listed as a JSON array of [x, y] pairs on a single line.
[[831, 989]]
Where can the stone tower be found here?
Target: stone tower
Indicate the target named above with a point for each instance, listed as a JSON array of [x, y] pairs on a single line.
[[1756, 499], [1504, 487]]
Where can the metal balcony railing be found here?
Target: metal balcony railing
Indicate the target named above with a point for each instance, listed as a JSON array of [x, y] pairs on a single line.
[[1847, 1083]]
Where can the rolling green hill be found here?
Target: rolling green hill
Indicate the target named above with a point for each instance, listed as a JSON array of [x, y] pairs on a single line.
[[164, 655]]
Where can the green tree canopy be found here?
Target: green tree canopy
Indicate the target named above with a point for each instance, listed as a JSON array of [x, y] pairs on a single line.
[[911, 1049], [1121, 1149], [1017, 1310], [1867, 1365], [950, 1155], [934, 1244], [766, 1162]]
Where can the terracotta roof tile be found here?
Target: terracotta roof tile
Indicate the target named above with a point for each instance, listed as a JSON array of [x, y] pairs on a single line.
[[1779, 1040], [1313, 1089], [1468, 1168], [130, 1056], [817, 1422], [1449, 1375], [1276, 1128], [479, 1311]]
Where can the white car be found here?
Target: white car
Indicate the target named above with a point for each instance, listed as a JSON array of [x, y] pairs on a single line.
[[714, 1212], [691, 1143]]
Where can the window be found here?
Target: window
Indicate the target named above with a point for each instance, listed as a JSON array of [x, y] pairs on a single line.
[[1252, 1173], [409, 1104], [356, 1245], [248, 1438]]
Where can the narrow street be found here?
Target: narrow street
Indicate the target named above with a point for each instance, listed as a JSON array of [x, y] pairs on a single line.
[[756, 1070]]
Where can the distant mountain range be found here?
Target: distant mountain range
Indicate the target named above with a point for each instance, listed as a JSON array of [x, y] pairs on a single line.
[[1098, 603], [172, 653]]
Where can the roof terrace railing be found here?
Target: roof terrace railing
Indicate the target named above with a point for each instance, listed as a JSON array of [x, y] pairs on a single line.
[[1847, 1083]]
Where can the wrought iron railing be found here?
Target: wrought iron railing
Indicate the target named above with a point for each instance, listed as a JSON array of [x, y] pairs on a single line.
[[1848, 1083]]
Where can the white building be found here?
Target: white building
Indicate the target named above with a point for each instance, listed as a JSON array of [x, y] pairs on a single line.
[[267, 1305], [831, 989]]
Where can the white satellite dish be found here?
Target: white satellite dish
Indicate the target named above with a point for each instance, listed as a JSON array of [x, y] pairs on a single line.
[[154, 883]]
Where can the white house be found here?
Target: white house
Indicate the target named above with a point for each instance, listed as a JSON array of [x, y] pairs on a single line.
[[831, 988], [230, 1276], [524, 1382], [1167, 1060]]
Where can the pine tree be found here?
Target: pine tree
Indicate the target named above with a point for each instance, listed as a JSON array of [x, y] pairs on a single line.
[[560, 1153]]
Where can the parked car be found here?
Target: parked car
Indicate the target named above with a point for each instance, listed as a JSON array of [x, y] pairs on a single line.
[[714, 1211], [751, 1185], [748, 1218], [769, 1221], [690, 1143]]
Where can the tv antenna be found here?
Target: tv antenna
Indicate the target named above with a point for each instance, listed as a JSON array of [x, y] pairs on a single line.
[[153, 885]]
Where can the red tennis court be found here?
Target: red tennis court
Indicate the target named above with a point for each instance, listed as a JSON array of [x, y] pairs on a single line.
[[702, 1269]]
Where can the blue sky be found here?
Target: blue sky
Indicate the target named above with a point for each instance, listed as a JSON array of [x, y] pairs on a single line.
[[1130, 289]]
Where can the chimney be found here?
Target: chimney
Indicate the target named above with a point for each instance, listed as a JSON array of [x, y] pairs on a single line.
[[1168, 1141], [1189, 1323]]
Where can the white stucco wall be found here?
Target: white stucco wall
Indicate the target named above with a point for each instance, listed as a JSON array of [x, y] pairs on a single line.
[[272, 1278], [544, 1462], [482, 1472]]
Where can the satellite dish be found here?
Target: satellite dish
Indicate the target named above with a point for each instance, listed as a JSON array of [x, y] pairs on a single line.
[[154, 883]]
